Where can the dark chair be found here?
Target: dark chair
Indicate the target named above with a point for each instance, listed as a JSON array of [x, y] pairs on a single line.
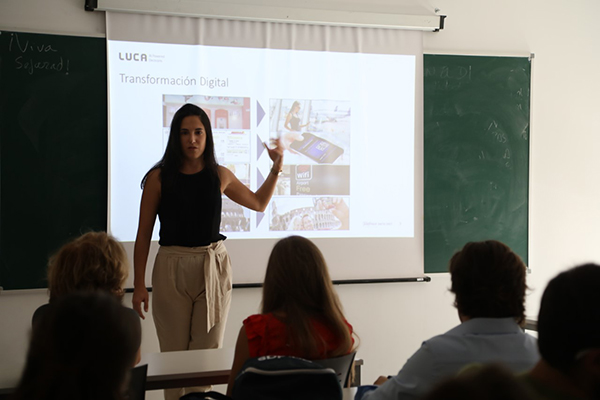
[[280, 377], [137, 383], [341, 365]]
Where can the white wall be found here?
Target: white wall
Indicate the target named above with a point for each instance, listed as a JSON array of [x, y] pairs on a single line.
[[392, 319], [565, 122]]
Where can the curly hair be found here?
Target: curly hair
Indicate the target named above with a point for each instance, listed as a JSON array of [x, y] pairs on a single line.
[[488, 279], [93, 261]]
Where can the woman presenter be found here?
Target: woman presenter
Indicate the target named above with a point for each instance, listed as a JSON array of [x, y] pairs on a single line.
[[191, 280]]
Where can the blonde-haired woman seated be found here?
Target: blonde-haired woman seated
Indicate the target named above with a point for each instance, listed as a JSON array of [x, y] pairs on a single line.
[[301, 313], [94, 262]]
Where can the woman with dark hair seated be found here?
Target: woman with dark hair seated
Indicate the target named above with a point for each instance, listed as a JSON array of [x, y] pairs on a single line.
[[301, 313], [82, 349]]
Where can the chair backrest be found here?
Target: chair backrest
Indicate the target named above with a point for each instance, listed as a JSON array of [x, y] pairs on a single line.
[[282, 377], [137, 383], [341, 365]]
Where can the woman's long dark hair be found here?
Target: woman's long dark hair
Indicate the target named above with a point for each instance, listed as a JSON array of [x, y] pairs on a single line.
[[171, 161]]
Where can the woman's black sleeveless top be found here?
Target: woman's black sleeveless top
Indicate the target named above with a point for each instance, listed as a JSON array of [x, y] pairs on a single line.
[[190, 210]]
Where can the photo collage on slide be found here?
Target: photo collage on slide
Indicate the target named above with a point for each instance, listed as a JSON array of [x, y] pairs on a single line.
[[312, 193]]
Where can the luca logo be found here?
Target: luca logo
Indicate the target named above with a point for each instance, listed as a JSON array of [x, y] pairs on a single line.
[[133, 57]]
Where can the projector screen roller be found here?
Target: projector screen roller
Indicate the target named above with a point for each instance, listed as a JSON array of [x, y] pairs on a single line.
[[347, 121]]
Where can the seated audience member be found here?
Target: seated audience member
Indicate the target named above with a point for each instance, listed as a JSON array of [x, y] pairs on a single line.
[[569, 337], [488, 281], [82, 348], [477, 382], [93, 261], [301, 313]]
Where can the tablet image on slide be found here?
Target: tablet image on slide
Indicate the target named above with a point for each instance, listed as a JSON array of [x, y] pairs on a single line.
[[317, 129], [318, 149]]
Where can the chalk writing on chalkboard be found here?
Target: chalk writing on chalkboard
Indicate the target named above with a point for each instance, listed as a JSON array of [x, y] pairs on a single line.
[[53, 149], [36, 55], [449, 77]]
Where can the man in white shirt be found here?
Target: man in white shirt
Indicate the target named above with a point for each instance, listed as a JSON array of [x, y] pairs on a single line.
[[488, 280]]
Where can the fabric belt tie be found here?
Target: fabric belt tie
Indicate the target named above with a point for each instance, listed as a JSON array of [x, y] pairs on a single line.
[[216, 277], [214, 291]]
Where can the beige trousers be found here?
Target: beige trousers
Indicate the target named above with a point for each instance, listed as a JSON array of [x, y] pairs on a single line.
[[191, 292]]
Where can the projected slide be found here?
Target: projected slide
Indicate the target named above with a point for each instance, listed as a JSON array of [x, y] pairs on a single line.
[[346, 121]]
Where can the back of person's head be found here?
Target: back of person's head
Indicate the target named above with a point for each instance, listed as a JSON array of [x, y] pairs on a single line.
[[488, 279], [297, 276], [569, 317], [93, 261], [82, 349], [297, 284], [490, 382]]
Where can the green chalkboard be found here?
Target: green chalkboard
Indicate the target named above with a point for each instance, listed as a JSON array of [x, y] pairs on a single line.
[[53, 149], [476, 153]]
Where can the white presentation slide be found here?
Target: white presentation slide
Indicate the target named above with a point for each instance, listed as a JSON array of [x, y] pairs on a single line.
[[348, 119]]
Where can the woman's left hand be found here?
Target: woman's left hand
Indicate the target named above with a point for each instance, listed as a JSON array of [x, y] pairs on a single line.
[[276, 153]]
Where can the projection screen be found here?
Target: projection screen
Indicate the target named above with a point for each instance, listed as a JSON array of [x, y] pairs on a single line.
[[346, 100]]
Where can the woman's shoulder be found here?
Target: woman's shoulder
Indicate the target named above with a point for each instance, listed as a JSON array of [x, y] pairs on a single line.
[[153, 175], [39, 314], [348, 325], [223, 173], [155, 171], [260, 319], [257, 324], [266, 335]]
